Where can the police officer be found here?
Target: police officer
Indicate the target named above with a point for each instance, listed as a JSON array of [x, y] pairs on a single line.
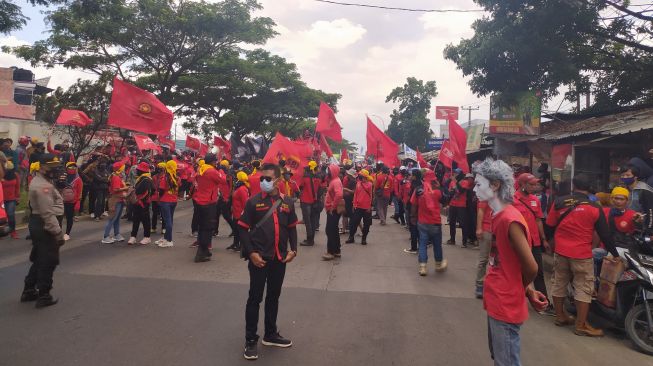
[[268, 224], [46, 206]]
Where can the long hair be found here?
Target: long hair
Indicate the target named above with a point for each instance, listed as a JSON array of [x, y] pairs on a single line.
[[498, 171]]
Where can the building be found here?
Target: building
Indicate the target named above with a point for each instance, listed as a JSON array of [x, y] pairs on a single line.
[[17, 111]]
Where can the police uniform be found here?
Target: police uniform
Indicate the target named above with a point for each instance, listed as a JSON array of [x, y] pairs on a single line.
[[271, 240], [46, 206]]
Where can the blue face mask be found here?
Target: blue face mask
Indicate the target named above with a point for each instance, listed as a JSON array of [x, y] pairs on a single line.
[[628, 181], [267, 187]]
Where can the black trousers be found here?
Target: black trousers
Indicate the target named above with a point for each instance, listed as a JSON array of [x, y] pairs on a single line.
[[224, 210], [195, 223], [538, 282], [333, 236], [458, 215], [86, 190], [207, 217], [91, 201], [365, 216], [44, 257], [156, 214], [69, 214], [272, 274], [100, 202], [141, 215]]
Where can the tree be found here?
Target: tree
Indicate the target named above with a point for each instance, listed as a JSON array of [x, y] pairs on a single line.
[[11, 16], [91, 97], [598, 46], [157, 42], [250, 92], [409, 124]]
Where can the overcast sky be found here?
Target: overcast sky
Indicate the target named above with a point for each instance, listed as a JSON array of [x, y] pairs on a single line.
[[357, 52]]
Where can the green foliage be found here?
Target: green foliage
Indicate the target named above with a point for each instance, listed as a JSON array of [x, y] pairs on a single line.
[[602, 46], [11, 18], [410, 124]]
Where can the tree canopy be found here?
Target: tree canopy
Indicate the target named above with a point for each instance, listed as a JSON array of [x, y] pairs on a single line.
[[409, 123], [598, 46]]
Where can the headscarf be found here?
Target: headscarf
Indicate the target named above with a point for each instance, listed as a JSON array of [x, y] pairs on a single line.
[[171, 175], [243, 178], [34, 167], [312, 165], [203, 167], [620, 191], [366, 174]]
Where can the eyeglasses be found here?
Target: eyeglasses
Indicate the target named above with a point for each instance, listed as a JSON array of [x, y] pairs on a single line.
[[267, 179]]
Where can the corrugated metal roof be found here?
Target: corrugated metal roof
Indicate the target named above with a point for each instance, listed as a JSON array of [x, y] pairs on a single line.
[[610, 125]]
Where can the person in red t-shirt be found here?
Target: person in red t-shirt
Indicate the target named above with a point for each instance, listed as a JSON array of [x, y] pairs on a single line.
[[512, 266], [575, 219], [484, 235], [168, 189], [11, 189], [362, 206], [309, 186], [382, 191], [117, 190], [240, 197], [530, 207], [425, 205], [206, 200], [458, 207]]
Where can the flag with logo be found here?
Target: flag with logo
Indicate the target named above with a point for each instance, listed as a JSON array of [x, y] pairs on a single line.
[[72, 117], [136, 109], [295, 153], [193, 143], [145, 143]]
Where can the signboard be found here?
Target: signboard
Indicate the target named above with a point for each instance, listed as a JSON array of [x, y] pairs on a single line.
[[435, 143], [409, 153], [446, 112], [515, 113], [474, 137]]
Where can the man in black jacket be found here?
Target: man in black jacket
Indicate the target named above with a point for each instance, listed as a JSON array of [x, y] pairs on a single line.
[[267, 226]]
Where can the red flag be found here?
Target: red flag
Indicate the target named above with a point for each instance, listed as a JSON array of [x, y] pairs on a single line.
[[380, 145], [169, 143], [324, 146], [327, 125], [295, 153], [136, 109], [71, 117], [446, 154], [145, 143], [204, 149], [420, 159], [344, 155], [223, 144], [193, 143], [458, 145]]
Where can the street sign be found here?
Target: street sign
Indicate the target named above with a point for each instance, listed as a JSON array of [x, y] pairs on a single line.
[[442, 112], [434, 144]]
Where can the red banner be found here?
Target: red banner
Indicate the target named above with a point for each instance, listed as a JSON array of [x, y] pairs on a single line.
[[344, 155], [193, 143], [295, 153], [145, 143], [458, 144], [327, 125], [420, 159], [381, 146], [136, 109], [71, 117]]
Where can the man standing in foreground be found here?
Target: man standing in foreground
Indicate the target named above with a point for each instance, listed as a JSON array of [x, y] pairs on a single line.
[[512, 266], [268, 224], [46, 204]]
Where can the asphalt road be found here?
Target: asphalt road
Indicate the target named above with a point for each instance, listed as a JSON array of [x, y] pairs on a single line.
[[143, 305]]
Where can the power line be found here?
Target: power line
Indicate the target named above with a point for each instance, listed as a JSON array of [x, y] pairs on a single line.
[[402, 9]]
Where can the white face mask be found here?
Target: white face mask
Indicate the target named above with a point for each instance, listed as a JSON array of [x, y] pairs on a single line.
[[267, 187], [482, 188]]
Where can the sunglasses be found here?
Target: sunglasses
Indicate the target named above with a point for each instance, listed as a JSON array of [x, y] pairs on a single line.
[[267, 179]]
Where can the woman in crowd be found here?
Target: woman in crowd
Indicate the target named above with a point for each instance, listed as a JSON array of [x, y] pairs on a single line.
[[168, 189], [11, 189], [72, 196], [159, 172], [362, 206], [240, 197], [141, 208], [117, 189]]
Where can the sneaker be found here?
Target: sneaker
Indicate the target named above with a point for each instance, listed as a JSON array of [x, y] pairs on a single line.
[[76, 218], [327, 257], [200, 259], [194, 245], [193, 235], [549, 311], [307, 243], [410, 251], [441, 266], [479, 291], [45, 300], [108, 240], [119, 238], [422, 269], [276, 340], [350, 240], [251, 353], [451, 242], [92, 215], [159, 241], [132, 240], [105, 214], [66, 237], [145, 241], [29, 295], [166, 244]]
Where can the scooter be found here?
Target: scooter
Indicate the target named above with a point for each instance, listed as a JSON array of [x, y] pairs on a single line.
[[633, 309]]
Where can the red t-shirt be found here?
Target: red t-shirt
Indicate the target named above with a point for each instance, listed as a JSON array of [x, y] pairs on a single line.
[[384, 182], [116, 183], [11, 189], [396, 184], [487, 216], [428, 206], [363, 195], [163, 185], [623, 223], [504, 295], [530, 207], [241, 195], [207, 187], [573, 236], [307, 194], [460, 197], [255, 183]]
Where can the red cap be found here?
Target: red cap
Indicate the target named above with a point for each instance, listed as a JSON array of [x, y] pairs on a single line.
[[117, 165], [525, 178], [143, 166]]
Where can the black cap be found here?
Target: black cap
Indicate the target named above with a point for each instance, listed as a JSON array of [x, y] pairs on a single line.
[[210, 158], [49, 160]]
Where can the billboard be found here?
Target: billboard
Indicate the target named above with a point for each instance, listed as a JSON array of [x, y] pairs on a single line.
[[474, 137], [434, 143], [515, 113], [442, 112]]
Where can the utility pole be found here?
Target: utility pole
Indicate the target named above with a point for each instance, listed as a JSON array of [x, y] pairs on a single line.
[[470, 109]]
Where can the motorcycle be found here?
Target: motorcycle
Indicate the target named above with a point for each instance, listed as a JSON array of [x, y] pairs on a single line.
[[633, 307]]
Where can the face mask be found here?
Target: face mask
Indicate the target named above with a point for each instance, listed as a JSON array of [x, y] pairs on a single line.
[[72, 171], [628, 181], [266, 186]]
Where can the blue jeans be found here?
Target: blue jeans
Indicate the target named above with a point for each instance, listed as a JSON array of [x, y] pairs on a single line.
[[503, 339], [432, 233], [167, 212], [10, 208], [114, 221]]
